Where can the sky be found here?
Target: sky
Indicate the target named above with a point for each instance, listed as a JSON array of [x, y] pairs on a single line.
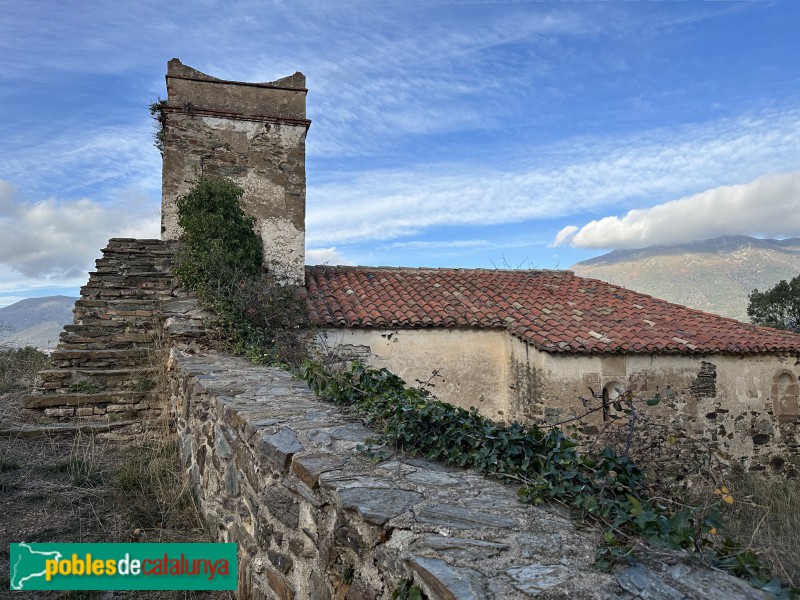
[[448, 134]]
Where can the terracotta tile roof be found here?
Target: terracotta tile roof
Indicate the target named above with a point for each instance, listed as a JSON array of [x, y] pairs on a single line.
[[555, 311]]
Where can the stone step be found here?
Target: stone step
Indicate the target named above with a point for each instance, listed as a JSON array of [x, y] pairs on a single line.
[[101, 293], [74, 341], [134, 253], [131, 378], [114, 269], [110, 317], [67, 399], [143, 289], [120, 303], [116, 314], [137, 243], [136, 258], [135, 282], [131, 255], [125, 309], [98, 359], [24, 430], [112, 330], [101, 343]]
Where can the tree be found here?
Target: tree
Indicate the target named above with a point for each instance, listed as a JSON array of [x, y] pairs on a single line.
[[777, 307]]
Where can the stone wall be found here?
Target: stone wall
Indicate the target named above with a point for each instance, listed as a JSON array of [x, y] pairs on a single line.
[[280, 473], [251, 133]]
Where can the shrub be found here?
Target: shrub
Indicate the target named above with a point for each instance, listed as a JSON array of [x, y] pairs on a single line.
[[221, 260], [218, 244]]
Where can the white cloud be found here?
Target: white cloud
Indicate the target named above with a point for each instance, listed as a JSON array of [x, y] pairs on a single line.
[[768, 206], [325, 256], [565, 235], [437, 244], [582, 175], [57, 240]]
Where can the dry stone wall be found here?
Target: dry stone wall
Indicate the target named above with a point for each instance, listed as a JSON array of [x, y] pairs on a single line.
[[280, 473]]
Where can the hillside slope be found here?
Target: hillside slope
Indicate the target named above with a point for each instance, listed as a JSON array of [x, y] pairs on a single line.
[[36, 321], [715, 275]]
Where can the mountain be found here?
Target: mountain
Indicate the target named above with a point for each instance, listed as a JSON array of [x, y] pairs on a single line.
[[36, 321], [715, 275]]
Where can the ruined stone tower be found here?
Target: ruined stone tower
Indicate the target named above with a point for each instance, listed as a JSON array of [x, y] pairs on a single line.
[[252, 133]]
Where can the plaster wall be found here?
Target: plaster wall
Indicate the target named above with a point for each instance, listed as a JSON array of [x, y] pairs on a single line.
[[744, 406], [473, 367]]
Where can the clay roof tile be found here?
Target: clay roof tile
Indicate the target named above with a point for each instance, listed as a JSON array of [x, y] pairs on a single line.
[[553, 310]]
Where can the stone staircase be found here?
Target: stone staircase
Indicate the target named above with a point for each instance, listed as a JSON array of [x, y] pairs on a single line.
[[105, 361]]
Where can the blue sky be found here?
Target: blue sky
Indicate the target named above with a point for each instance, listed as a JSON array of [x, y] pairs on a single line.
[[463, 134]]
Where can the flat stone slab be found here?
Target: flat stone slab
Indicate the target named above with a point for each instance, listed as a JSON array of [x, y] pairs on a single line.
[[460, 518], [533, 579], [378, 505], [278, 448], [309, 467], [27, 431], [448, 582]]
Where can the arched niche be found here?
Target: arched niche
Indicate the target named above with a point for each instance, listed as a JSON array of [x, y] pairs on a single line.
[[785, 391]]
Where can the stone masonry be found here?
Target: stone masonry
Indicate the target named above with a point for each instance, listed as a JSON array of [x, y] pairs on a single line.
[[280, 473], [106, 360], [251, 133]]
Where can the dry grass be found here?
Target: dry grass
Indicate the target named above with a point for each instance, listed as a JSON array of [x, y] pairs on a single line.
[[86, 488], [766, 518], [151, 484]]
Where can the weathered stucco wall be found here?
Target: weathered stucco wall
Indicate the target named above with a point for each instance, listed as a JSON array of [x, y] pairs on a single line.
[[279, 473], [253, 134], [473, 367], [746, 406]]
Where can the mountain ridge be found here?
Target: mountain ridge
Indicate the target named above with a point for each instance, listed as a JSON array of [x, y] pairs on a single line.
[[714, 275], [36, 322]]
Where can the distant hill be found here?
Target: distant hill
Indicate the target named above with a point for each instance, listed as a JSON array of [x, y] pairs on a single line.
[[715, 275], [36, 321]]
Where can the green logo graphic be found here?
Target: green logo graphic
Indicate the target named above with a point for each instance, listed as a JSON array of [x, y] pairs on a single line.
[[123, 566]]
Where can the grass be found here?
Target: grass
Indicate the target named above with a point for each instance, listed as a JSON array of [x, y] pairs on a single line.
[[8, 463], [144, 385], [766, 517], [84, 465], [150, 483]]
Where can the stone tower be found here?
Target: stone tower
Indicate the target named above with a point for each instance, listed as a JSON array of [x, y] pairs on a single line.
[[251, 133]]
